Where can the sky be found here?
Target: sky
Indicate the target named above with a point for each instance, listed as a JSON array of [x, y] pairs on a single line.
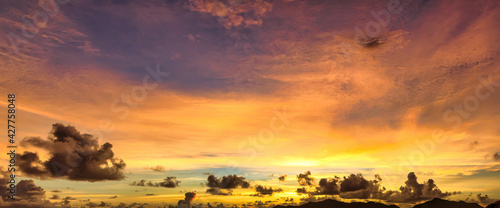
[[223, 98]]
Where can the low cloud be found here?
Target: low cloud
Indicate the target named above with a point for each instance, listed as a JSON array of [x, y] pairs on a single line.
[[73, 156], [55, 196], [224, 185], [282, 178], [157, 168], [28, 194], [355, 186], [305, 179], [262, 190], [168, 182], [485, 199], [328, 186], [189, 197]]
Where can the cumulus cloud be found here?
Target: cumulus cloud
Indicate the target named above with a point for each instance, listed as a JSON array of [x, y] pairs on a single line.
[[355, 186], [27, 190], [282, 178], [73, 156], [305, 179], [189, 197], [223, 186], [168, 182], [233, 13], [301, 191], [485, 199], [262, 190], [28, 194], [328, 186]]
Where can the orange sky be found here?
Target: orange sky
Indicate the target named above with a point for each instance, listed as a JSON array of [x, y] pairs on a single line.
[[261, 87]]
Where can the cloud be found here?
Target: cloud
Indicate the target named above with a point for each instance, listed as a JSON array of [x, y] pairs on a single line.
[[233, 13], [355, 186], [55, 196], [305, 179], [262, 190], [301, 191], [73, 156], [157, 168], [28, 194], [485, 199], [189, 197], [328, 186], [168, 182], [282, 178], [496, 157], [226, 183], [102, 204], [27, 190]]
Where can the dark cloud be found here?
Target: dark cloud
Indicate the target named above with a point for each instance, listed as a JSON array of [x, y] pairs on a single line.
[[168, 182], [496, 157], [485, 199], [28, 194], [226, 183], [305, 179], [301, 191], [27, 190], [328, 186], [139, 183], [355, 186], [282, 178], [415, 191], [189, 197], [262, 190], [353, 183], [55, 196], [218, 191], [73, 156]]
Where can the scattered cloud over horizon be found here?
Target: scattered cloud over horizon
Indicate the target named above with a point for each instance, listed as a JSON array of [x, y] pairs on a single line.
[[355, 186]]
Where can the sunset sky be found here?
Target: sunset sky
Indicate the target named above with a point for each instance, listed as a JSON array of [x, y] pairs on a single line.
[[256, 88]]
